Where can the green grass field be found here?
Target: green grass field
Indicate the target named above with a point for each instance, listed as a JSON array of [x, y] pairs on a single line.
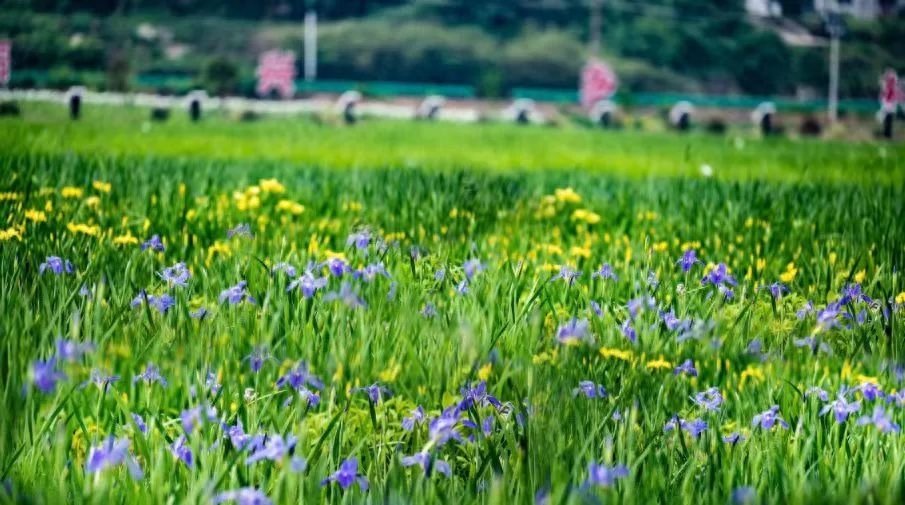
[[473, 314]]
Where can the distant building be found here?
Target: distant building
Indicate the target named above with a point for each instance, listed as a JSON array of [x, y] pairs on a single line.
[[764, 8], [862, 9]]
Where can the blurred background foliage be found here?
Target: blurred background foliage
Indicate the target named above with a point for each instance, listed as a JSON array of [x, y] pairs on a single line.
[[494, 45]]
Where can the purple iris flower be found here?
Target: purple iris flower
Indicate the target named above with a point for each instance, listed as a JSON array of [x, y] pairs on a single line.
[[589, 390], [310, 398], [240, 439], [346, 295], [841, 408], [308, 284], [881, 420], [182, 451], [487, 425], [243, 496], [567, 274], [154, 244], [376, 392], [596, 309], [743, 496], [828, 318], [628, 331], [44, 375], [818, 392], [694, 427], [259, 355], [113, 452], [429, 465], [710, 399], [241, 230], [606, 272], [140, 423], [163, 303], [337, 267], [870, 391], [673, 323], [370, 272], [57, 266], [429, 311], [284, 267], [150, 375], [275, 449], [236, 294], [604, 476], [576, 330], [346, 475], [719, 276], [769, 418], [813, 344], [443, 428], [462, 287], [805, 310], [440, 274], [477, 395], [733, 438], [687, 367], [199, 314], [636, 305], [196, 416], [689, 259], [101, 380], [211, 383], [176, 275], [299, 377], [777, 290], [86, 292], [70, 350], [360, 239], [417, 417], [472, 267], [852, 293]]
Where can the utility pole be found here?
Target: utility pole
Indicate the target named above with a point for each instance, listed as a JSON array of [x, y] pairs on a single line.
[[310, 45], [594, 27], [835, 28]]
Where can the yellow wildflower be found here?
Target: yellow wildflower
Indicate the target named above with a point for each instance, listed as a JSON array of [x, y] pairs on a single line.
[[567, 195], [271, 186], [11, 233], [544, 357], [391, 372], [290, 207], [71, 192], [900, 298], [484, 372], [125, 239], [752, 372], [9, 196], [35, 215], [658, 364], [859, 277], [103, 187], [790, 273], [93, 201], [585, 215], [661, 246], [88, 229], [608, 352], [583, 252]]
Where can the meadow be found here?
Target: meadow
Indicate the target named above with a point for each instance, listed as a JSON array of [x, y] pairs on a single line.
[[293, 310]]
